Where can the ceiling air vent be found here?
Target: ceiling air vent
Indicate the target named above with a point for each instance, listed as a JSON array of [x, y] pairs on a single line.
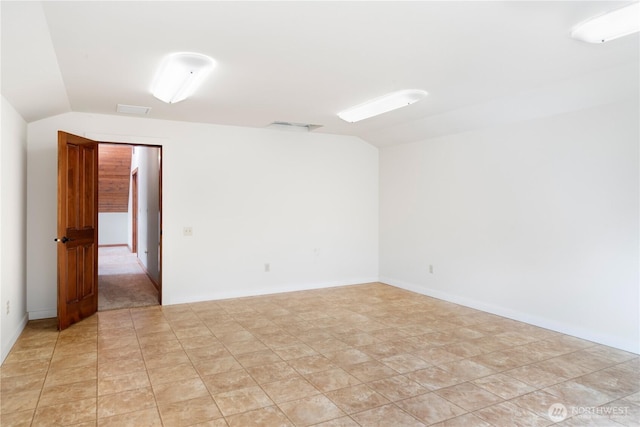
[[293, 127], [133, 109]]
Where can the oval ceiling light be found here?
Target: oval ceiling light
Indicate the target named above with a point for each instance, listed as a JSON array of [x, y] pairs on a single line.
[[610, 26], [179, 76], [383, 104]]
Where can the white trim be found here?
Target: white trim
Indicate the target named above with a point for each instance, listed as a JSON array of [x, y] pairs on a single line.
[[266, 291], [43, 314], [126, 139], [8, 345], [561, 327]]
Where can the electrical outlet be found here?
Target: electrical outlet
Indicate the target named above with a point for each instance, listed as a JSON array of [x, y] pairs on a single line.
[[8, 307], [430, 268], [187, 231], [267, 268]]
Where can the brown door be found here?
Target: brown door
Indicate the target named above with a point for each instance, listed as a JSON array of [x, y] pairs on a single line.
[[77, 228]]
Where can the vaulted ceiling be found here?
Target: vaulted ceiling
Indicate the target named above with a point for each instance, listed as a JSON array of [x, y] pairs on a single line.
[[483, 63]]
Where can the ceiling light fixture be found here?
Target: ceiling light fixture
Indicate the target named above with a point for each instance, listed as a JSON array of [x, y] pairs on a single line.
[[383, 104], [179, 76], [610, 26]]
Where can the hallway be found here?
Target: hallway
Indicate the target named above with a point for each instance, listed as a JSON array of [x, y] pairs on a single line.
[[122, 282]]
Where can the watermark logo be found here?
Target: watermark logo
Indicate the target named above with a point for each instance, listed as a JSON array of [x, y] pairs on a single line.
[[557, 412]]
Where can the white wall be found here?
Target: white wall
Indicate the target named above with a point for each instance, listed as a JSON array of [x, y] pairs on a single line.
[[146, 160], [13, 208], [112, 229], [536, 221], [306, 203]]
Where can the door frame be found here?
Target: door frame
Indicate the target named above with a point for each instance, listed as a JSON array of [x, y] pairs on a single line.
[[134, 211], [160, 198]]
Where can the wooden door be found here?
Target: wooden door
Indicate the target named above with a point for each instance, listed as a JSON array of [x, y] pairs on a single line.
[[77, 228]]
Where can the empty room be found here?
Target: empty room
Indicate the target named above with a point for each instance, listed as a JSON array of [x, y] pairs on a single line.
[[421, 213]]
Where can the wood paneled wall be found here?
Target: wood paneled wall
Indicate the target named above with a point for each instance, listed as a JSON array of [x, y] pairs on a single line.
[[114, 174]]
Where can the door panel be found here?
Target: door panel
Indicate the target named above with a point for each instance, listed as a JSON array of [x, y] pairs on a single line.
[[77, 228]]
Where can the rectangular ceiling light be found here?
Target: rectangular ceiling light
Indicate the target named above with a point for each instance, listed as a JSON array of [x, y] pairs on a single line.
[[382, 105], [179, 76], [610, 26]]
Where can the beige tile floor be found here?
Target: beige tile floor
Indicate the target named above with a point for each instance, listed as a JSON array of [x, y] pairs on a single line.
[[367, 355]]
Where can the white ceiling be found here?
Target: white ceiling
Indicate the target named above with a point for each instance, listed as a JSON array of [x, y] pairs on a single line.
[[483, 63]]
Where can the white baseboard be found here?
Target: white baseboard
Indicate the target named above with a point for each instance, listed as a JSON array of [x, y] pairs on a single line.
[[622, 344], [219, 295], [43, 314], [7, 346]]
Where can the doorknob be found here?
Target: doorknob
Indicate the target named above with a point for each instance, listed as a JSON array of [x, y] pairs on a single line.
[[64, 239]]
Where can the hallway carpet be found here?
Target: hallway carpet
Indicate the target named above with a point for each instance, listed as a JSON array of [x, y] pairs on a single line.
[[122, 283]]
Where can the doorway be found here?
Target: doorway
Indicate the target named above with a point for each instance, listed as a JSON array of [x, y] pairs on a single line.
[[129, 226]]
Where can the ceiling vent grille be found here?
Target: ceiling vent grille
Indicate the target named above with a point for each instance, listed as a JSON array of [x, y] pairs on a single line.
[[293, 127], [133, 109]]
